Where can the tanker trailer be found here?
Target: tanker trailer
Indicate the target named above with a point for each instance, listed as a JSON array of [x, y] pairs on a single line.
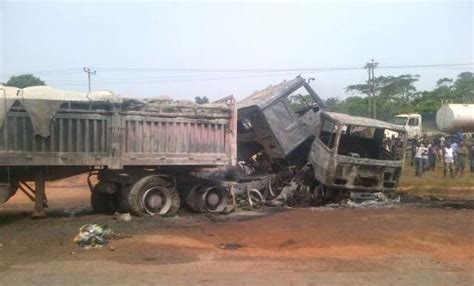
[[455, 118]]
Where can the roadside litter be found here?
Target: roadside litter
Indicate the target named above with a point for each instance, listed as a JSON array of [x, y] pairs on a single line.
[[126, 217], [94, 236], [376, 200]]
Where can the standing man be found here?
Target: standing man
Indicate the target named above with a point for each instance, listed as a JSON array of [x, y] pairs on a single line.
[[418, 160], [432, 154], [425, 158], [454, 145], [462, 154], [442, 140], [414, 144], [471, 155], [448, 159]]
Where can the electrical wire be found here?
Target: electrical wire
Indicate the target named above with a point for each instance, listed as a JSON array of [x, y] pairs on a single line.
[[201, 74], [170, 80], [206, 70]]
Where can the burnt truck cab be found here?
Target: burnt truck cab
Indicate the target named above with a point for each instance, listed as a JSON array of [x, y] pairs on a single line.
[[355, 153], [277, 122]]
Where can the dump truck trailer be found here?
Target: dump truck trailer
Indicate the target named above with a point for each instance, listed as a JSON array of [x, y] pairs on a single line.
[[138, 149]]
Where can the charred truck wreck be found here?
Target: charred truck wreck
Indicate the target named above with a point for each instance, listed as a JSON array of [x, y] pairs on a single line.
[[153, 156], [310, 155]]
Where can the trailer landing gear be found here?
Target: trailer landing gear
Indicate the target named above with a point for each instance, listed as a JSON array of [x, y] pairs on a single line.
[[40, 195]]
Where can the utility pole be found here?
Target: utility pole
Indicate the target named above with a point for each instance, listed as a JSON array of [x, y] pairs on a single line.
[[371, 66], [89, 72]]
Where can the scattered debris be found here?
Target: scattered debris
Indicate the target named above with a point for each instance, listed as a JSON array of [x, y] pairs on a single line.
[[126, 217], [94, 236], [72, 212], [376, 200], [286, 194]]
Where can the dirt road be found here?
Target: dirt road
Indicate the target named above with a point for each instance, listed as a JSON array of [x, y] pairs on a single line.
[[392, 245]]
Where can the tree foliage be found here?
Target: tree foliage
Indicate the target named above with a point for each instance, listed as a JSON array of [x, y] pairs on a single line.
[[332, 103], [24, 80], [398, 94]]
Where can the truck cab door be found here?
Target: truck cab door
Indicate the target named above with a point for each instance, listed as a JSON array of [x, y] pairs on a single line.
[[413, 126], [292, 117]]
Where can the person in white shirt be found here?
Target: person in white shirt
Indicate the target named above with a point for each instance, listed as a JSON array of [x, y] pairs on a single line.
[[442, 140], [448, 159], [419, 160]]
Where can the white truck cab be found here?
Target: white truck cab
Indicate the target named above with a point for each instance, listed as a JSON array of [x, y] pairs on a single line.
[[411, 122]]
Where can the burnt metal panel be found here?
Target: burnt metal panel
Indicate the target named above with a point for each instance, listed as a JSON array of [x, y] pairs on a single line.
[[164, 141], [116, 139], [277, 127]]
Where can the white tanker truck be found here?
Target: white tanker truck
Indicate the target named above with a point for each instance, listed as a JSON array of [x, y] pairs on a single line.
[[450, 118], [455, 117]]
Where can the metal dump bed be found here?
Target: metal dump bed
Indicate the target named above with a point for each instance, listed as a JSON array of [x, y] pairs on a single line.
[[42, 126]]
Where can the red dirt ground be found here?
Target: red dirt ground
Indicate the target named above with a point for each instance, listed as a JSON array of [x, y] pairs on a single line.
[[395, 245]]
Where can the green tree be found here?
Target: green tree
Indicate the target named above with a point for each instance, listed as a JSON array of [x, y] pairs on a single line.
[[332, 103], [393, 95], [201, 100], [463, 88], [353, 105], [24, 80]]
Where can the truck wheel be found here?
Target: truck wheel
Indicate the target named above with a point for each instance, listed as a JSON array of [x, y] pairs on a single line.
[[104, 203], [124, 193], [211, 199], [153, 195]]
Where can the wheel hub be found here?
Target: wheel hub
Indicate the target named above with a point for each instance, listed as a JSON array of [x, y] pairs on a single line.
[[212, 199], [156, 201]]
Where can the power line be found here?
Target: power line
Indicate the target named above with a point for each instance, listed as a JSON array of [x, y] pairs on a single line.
[[224, 70], [46, 72], [161, 80], [426, 66], [281, 69]]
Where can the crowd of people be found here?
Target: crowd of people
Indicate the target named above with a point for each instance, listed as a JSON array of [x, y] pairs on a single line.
[[454, 153]]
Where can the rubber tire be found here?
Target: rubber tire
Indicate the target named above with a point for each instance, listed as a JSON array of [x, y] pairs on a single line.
[[124, 193], [136, 191], [104, 203]]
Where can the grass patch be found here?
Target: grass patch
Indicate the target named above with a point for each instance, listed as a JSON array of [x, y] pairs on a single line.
[[434, 183]]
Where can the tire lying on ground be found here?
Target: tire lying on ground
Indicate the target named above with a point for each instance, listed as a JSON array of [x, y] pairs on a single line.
[[153, 195]]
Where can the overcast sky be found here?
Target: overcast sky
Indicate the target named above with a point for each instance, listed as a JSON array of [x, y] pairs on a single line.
[[56, 40]]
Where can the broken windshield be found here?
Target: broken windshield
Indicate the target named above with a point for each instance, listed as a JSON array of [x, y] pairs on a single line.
[[370, 142], [301, 100]]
